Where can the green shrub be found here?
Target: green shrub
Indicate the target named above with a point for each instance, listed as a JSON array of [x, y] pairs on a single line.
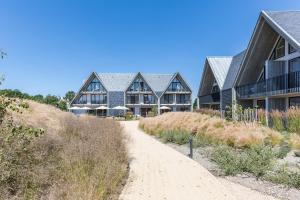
[[283, 151], [256, 160], [129, 115], [151, 114], [285, 177], [227, 160]]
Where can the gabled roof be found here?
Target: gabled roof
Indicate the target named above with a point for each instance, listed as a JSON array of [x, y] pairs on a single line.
[[220, 66], [286, 23], [158, 82], [270, 25], [233, 70], [116, 81]]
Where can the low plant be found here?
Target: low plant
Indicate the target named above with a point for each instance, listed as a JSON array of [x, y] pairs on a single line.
[[294, 141], [285, 177], [129, 115], [175, 136], [256, 160]]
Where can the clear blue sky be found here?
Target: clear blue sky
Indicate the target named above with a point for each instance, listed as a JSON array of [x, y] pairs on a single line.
[[54, 45]]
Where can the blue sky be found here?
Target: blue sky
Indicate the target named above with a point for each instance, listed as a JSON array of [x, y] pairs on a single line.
[[54, 45]]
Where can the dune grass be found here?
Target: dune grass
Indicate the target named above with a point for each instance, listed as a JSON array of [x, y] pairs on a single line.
[[74, 158], [213, 129]]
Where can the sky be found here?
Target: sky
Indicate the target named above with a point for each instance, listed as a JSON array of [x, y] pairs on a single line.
[[53, 45]]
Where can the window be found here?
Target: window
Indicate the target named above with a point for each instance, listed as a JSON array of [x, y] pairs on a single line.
[[175, 86], [139, 85], [215, 87], [132, 99], [95, 85], [291, 49], [82, 99], [149, 99], [168, 99], [294, 102], [294, 65], [183, 99], [262, 76], [98, 99], [279, 50]]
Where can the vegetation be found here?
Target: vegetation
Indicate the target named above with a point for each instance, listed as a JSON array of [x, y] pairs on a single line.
[[47, 153], [209, 111], [49, 99], [213, 129], [256, 160], [175, 136], [129, 115], [285, 177]]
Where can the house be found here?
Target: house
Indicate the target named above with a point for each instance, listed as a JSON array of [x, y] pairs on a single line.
[[266, 75], [269, 76], [139, 92], [216, 84]]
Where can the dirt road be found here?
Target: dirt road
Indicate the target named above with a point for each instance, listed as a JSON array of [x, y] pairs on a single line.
[[158, 172]]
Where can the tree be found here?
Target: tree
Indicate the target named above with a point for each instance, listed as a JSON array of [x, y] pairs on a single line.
[[69, 96], [38, 98], [51, 99], [195, 104]]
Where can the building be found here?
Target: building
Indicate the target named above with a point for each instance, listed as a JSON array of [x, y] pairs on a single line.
[[216, 84], [140, 92], [269, 76], [266, 75]]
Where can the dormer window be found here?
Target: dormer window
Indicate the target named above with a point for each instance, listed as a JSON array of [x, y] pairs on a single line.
[[139, 85]]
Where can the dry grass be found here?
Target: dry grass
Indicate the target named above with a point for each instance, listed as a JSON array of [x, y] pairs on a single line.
[[214, 128], [294, 141], [78, 158]]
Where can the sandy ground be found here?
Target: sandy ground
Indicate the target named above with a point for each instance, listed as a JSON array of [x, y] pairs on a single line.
[[159, 172]]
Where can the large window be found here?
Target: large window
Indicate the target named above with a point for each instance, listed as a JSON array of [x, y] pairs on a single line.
[[183, 99], [294, 65], [279, 50], [294, 73], [95, 85], [176, 86], [149, 99], [98, 99], [132, 99], [167, 99], [82, 99], [139, 85]]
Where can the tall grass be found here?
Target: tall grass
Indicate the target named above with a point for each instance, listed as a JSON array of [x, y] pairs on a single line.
[[277, 118], [74, 158], [214, 128], [293, 116]]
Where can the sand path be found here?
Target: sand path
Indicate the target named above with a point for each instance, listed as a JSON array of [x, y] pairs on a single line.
[[158, 172]]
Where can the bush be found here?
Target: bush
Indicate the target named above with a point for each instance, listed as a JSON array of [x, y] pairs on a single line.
[[285, 177], [129, 115], [256, 160], [294, 141]]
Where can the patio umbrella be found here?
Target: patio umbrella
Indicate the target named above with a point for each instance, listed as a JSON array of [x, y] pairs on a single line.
[[74, 108], [102, 108], [120, 108], [164, 108], [85, 108]]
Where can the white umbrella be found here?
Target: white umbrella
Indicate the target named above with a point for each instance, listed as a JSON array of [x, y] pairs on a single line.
[[74, 108], [102, 108], [86, 108], [120, 108], [165, 108]]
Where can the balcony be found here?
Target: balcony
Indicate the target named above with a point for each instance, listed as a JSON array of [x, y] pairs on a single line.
[[283, 84], [211, 98]]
